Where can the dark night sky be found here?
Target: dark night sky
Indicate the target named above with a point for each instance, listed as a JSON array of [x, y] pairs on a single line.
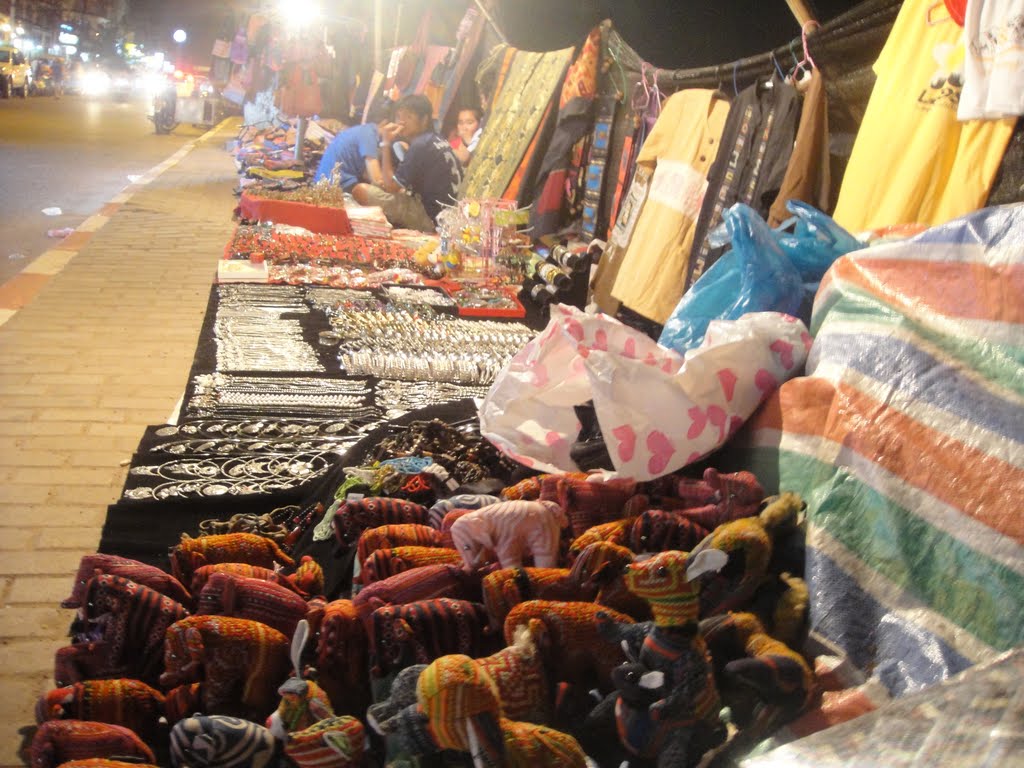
[[667, 33]]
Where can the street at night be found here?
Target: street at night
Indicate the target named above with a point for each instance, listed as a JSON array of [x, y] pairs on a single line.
[[73, 153]]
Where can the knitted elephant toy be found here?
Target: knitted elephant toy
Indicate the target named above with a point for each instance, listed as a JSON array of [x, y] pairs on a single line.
[[354, 517], [308, 579], [338, 742], [218, 741], [59, 741], [191, 554], [115, 565], [384, 563], [396, 535], [130, 703], [764, 682], [242, 598], [240, 662], [510, 530], [119, 633], [341, 656]]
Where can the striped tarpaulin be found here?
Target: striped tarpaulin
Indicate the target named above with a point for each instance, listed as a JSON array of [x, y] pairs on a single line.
[[906, 438]]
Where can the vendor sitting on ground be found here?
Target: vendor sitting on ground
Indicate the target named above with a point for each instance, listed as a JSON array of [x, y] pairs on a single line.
[[352, 155], [425, 181]]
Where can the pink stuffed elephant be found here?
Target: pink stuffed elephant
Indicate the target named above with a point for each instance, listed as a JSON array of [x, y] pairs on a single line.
[[510, 530]]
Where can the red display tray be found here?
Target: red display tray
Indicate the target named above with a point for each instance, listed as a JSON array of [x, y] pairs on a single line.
[[315, 218], [511, 291]]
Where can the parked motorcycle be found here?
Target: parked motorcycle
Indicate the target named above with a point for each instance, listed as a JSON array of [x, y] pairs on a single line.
[[163, 108]]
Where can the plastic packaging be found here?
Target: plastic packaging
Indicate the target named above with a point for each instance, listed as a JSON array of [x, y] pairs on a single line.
[[754, 276], [757, 275], [657, 410]]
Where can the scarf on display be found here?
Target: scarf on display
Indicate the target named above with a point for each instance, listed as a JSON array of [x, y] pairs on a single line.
[[575, 112], [517, 114]]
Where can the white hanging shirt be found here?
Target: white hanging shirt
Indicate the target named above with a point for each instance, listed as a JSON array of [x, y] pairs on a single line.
[[993, 60]]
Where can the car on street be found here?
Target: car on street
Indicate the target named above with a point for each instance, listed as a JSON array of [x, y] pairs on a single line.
[[109, 77], [15, 72]]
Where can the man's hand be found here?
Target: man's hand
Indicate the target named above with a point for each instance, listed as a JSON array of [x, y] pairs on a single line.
[[389, 132]]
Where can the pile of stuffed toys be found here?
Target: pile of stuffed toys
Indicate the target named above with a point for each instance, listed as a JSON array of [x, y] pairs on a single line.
[[568, 621]]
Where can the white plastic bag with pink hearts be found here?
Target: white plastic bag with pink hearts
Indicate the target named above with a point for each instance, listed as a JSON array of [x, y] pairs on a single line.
[[658, 410]]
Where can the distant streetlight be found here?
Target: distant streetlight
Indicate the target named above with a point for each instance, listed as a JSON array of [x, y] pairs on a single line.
[[179, 36]]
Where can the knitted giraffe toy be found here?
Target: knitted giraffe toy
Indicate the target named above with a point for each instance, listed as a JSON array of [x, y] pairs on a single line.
[[669, 659]]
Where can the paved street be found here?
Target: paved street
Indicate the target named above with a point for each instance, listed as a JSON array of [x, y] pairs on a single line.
[[74, 153], [97, 336]]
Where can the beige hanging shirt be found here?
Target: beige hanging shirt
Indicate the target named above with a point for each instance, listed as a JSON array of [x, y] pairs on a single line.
[[680, 151]]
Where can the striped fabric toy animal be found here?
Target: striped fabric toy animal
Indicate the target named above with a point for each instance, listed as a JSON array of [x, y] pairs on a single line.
[[510, 530], [240, 662], [308, 579], [418, 633], [519, 674], [588, 502], [748, 542], [354, 517], [218, 741], [682, 723], [463, 706], [192, 554], [130, 703], [657, 530], [387, 562], [119, 633], [303, 702], [202, 575], [383, 716], [615, 532], [334, 742], [751, 658], [342, 656], [102, 762], [601, 568], [423, 583], [183, 701], [459, 501], [573, 650], [596, 575], [115, 565], [508, 587], [59, 741], [254, 599], [396, 535]]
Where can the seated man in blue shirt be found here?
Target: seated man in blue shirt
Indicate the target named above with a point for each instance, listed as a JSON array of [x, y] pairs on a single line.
[[353, 155], [428, 177]]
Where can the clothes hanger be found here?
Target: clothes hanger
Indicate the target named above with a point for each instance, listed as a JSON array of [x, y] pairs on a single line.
[[641, 85]]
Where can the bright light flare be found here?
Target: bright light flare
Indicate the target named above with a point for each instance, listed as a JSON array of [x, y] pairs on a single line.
[[95, 83], [298, 13]]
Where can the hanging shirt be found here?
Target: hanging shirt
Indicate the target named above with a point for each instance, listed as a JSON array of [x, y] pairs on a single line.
[[756, 146], [993, 59], [679, 151], [431, 171], [808, 176], [347, 154], [913, 162]]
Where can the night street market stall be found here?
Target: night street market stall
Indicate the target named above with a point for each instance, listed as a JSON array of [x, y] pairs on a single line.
[[635, 456]]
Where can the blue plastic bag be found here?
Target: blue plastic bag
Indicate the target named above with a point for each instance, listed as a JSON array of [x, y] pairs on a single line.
[[765, 271], [754, 276], [815, 242]]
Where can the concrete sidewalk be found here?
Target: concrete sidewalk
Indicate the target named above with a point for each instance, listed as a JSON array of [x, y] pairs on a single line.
[[96, 343]]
